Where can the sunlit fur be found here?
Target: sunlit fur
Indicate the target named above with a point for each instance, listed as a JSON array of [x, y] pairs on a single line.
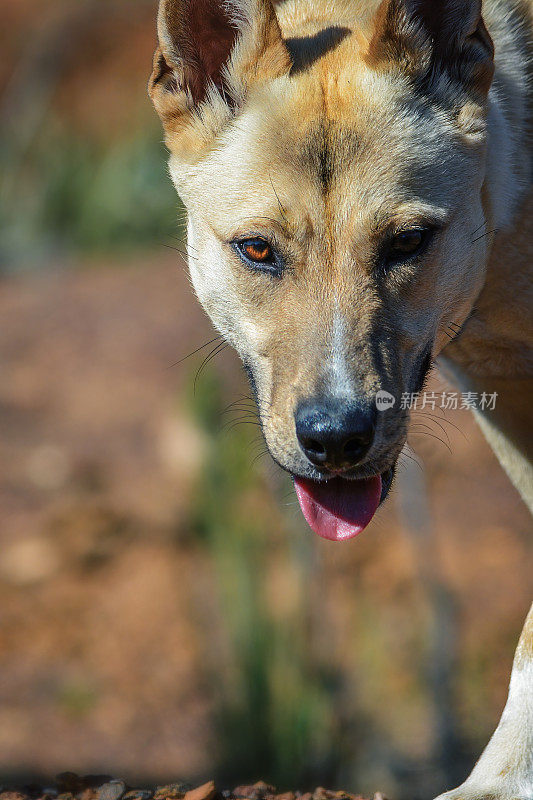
[[330, 124]]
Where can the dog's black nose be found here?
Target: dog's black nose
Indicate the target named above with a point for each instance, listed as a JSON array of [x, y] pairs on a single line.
[[333, 434]]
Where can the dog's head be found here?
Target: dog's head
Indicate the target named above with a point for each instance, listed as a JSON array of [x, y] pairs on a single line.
[[333, 172]]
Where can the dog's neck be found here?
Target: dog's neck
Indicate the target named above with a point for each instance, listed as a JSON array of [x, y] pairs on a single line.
[[494, 352], [497, 339], [508, 171]]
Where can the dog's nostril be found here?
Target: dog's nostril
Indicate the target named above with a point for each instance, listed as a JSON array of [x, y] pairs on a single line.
[[313, 447], [353, 447]]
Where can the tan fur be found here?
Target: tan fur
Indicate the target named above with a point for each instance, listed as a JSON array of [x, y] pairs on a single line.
[[331, 124]]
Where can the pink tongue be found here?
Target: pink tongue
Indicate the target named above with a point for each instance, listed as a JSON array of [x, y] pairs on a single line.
[[339, 509]]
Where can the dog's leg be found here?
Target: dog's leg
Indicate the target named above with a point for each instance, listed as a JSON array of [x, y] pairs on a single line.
[[505, 770]]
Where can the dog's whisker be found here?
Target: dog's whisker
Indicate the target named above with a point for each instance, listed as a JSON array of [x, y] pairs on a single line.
[[186, 246], [258, 443], [483, 224], [202, 347], [241, 422], [176, 249], [483, 235], [281, 209], [404, 455], [241, 398], [442, 419], [290, 493], [258, 457], [219, 348], [455, 329], [437, 422], [238, 410], [183, 254], [229, 426], [260, 452], [243, 412], [431, 434], [243, 402]]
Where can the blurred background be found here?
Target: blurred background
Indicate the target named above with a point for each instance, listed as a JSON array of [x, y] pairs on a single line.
[[164, 611]]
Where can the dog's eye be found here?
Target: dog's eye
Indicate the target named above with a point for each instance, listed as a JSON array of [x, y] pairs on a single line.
[[257, 250], [407, 244], [259, 254]]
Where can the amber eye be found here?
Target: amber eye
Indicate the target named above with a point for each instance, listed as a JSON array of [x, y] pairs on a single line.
[[407, 243], [257, 250], [258, 253]]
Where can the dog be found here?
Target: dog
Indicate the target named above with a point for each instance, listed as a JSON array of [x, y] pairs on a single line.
[[357, 180]]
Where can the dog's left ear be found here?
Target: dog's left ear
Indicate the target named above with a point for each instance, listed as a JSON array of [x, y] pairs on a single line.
[[428, 37], [210, 52]]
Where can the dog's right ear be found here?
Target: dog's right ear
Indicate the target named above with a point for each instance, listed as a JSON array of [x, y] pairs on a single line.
[[428, 38], [210, 52]]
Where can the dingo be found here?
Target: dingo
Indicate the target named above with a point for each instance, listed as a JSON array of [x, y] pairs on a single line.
[[357, 175]]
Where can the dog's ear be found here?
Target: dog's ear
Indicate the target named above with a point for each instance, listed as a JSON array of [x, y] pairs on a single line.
[[429, 37], [211, 51]]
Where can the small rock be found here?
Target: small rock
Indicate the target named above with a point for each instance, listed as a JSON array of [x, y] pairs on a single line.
[[261, 789], [328, 794], [112, 790], [205, 792], [258, 791], [173, 790], [242, 792], [11, 796], [138, 794]]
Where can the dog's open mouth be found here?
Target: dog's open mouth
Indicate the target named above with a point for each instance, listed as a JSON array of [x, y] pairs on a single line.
[[340, 509]]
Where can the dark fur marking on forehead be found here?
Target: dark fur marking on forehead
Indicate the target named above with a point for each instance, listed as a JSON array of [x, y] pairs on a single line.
[[328, 149], [305, 50]]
